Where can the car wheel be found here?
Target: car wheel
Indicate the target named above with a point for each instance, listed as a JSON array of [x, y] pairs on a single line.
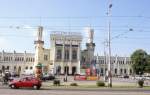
[[13, 86], [36, 87]]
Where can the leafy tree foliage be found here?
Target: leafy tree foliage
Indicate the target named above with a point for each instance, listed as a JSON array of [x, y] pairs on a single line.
[[141, 61], [147, 68]]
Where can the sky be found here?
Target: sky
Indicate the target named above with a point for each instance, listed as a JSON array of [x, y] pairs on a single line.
[[130, 23]]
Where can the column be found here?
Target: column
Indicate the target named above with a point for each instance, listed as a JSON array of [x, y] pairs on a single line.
[[70, 53], [118, 70], [62, 63], [54, 57], [78, 58]]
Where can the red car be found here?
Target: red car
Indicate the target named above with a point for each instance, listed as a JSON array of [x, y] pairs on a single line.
[[26, 82]]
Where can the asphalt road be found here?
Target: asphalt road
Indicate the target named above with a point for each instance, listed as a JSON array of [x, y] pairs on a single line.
[[69, 92], [5, 90]]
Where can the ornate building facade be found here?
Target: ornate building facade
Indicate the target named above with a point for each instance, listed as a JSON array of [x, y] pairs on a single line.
[[65, 56]]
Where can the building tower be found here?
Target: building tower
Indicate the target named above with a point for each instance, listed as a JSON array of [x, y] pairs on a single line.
[[90, 45], [39, 50]]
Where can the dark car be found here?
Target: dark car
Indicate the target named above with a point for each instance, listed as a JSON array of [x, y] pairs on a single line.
[[26, 82], [125, 76], [48, 77]]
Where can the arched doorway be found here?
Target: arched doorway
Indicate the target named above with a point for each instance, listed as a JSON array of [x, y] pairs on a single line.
[[19, 70], [3, 68], [115, 71], [125, 71], [121, 71], [74, 70], [130, 71], [66, 70], [58, 70]]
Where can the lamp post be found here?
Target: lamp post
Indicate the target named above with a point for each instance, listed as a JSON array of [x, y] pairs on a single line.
[[109, 46]]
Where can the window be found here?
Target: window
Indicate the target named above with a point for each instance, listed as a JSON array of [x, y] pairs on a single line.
[[115, 71], [7, 67], [74, 55], [26, 67], [125, 71], [120, 71], [130, 71], [59, 54], [14, 68], [45, 57], [102, 71], [67, 54], [31, 68]]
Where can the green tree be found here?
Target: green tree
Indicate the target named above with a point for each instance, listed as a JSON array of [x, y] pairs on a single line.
[[147, 68], [140, 61]]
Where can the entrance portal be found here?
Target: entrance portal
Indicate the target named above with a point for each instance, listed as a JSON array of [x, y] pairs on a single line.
[[66, 70], [74, 70]]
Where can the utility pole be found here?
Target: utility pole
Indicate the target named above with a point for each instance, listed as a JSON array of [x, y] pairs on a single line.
[[104, 61], [109, 45]]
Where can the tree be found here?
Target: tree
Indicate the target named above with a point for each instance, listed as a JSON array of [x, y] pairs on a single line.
[[147, 68], [140, 61]]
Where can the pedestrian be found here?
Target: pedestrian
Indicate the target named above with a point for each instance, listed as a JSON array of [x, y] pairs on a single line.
[[65, 78]]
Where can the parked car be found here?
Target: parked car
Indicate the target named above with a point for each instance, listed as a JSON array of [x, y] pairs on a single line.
[[125, 76], [139, 77], [48, 77], [26, 82]]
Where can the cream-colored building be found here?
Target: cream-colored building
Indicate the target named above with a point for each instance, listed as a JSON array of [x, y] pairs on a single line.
[[65, 56], [16, 62], [119, 65]]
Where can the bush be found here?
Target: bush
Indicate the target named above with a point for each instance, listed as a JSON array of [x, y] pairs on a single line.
[[100, 83], [140, 83], [56, 82], [73, 84]]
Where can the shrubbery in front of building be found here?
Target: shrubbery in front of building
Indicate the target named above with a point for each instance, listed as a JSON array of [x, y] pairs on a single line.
[[73, 84], [100, 83], [56, 82], [140, 83]]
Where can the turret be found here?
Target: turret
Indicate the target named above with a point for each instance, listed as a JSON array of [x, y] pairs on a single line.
[[39, 50], [90, 45]]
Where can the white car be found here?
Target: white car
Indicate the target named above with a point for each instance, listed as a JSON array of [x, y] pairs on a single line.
[[147, 77], [139, 77]]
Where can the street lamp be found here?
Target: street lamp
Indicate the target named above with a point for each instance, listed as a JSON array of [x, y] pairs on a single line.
[[109, 46]]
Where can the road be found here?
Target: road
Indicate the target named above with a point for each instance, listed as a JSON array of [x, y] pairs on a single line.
[[8, 91], [5, 90]]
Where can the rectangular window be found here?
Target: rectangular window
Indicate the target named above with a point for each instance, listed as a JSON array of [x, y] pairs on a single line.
[[45, 57], [74, 54], [66, 54], [59, 54]]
